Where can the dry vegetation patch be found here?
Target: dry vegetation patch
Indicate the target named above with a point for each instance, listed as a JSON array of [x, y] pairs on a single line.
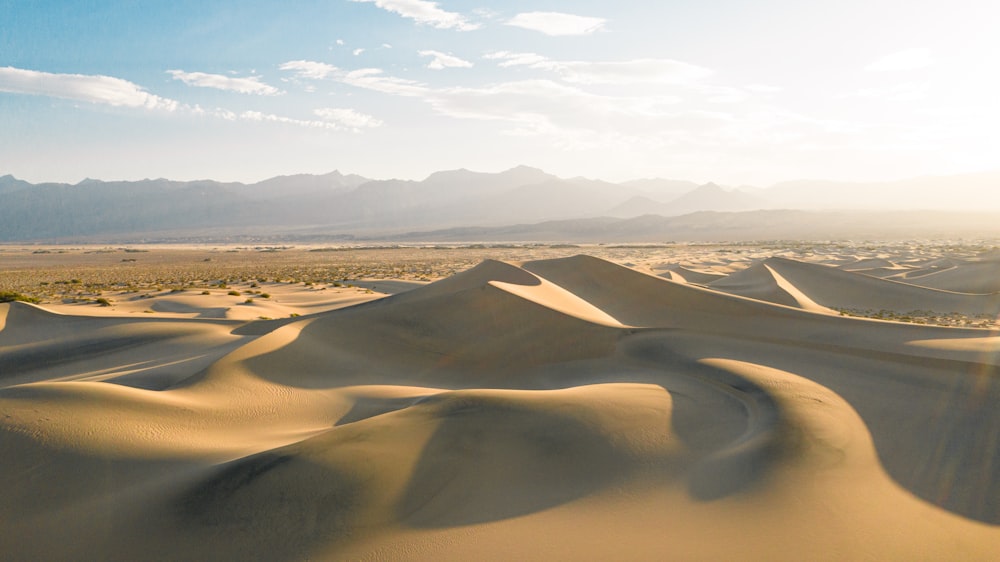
[[107, 275]]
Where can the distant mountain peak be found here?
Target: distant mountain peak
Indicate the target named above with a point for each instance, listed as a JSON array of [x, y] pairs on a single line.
[[527, 174], [448, 174], [10, 183], [525, 168]]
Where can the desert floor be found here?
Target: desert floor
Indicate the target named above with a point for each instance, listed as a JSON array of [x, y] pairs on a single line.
[[772, 401]]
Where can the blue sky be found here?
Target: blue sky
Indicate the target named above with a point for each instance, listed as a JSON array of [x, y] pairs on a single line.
[[726, 91]]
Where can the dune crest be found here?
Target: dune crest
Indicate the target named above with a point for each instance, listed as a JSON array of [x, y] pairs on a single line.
[[560, 408]]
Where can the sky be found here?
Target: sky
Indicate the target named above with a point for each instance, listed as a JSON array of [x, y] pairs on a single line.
[[736, 92]]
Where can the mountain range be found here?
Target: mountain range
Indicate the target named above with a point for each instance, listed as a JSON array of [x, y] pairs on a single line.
[[450, 202]]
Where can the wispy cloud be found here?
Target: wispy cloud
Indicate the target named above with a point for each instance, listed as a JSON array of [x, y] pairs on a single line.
[[569, 116], [375, 79], [636, 71], [508, 59], [909, 59], [309, 69], [261, 117], [444, 60], [93, 88], [348, 118], [425, 12], [250, 85], [357, 51], [524, 100], [519, 102], [367, 78], [556, 23]]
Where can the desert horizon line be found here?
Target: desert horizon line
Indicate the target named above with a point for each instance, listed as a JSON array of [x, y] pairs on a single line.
[[424, 177]]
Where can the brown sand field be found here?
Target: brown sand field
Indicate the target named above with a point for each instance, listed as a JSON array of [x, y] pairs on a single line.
[[776, 401]]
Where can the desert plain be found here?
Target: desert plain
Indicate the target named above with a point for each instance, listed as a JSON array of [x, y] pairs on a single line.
[[758, 401]]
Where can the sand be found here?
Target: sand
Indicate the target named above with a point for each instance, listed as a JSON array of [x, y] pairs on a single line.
[[692, 406]]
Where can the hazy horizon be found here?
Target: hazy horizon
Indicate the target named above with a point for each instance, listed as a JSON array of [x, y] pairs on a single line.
[[722, 92], [345, 172]]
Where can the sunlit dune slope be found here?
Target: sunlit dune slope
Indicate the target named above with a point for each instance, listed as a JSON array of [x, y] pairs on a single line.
[[556, 409], [802, 284]]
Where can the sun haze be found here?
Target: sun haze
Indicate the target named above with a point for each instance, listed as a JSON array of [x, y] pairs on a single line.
[[742, 93]]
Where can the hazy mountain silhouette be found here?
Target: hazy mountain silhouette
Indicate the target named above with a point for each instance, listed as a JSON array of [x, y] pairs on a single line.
[[348, 204], [708, 197]]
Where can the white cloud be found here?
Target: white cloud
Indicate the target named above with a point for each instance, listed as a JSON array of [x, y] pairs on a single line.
[[348, 118], [261, 117], [555, 23], [444, 60], [357, 52], [340, 41], [270, 117], [533, 101], [386, 46], [368, 78], [251, 85], [374, 79], [425, 12], [909, 59], [93, 88], [636, 71], [309, 69], [485, 13], [571, 117], [515, 59], [330, 118]]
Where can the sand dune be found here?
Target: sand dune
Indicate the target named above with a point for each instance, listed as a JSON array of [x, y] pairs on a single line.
[[761, 281], [981, 277], [566, 408], [678, 272], [788, 282]]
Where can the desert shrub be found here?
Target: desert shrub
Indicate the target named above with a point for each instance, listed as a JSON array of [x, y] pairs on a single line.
[[265, 295], [248, 301], [233, 293], [206, 292], [11, 296], [103, 301]]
